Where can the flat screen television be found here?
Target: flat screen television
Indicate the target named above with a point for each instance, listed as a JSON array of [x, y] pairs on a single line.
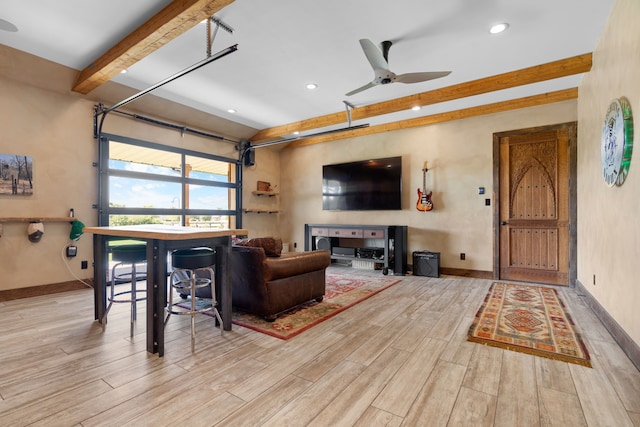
[[365, 185]]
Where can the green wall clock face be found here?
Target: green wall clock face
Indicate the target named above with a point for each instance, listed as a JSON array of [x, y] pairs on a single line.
[[617, 142]]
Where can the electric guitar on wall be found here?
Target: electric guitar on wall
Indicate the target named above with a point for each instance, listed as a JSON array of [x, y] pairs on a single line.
[[424, 203]]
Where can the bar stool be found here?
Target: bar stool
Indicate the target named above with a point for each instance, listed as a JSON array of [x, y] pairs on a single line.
[[185, 263], [126, 255]]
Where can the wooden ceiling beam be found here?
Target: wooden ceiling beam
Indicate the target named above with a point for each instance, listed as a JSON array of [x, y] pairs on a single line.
[[176, 18], [498, 107], [552, 70]]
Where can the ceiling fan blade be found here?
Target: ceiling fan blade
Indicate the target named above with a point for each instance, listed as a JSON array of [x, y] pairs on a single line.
[[360, 89], [420, 77], [374, 55]]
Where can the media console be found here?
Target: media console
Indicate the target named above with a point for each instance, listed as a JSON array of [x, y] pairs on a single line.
[[380, 244]]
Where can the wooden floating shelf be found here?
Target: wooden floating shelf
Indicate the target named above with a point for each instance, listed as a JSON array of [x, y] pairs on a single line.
[[39, 219], [259, 211], [265, 193]]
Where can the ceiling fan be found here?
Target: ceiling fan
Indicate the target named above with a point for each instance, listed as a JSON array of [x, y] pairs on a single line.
[[379, 60]]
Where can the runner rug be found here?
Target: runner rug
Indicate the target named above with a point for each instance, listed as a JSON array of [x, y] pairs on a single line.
[[529, 319], [343, 290]]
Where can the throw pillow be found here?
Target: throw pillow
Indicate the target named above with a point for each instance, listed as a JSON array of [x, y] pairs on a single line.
[[272, 245]]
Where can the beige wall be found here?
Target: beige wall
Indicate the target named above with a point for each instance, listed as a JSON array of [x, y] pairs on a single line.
[[55, 128], [266, 168], [608, 231], [460, 160]]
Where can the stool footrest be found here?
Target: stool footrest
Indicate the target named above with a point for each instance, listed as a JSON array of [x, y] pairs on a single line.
[[184, 310]]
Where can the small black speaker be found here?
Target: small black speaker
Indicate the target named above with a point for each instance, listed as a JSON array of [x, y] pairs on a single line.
[[323, 243], [250, 158], [426, 264]]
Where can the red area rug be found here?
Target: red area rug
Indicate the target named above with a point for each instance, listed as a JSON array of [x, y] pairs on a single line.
[[529, 319], [343, 290]]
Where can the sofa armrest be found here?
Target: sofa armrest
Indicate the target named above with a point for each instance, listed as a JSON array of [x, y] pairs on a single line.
[[247, 273]]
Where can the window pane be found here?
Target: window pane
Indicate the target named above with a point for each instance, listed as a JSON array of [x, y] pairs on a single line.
[[210, 170], [208, 221], [141, 159], [143, 193], [144, 219], [203, 197]]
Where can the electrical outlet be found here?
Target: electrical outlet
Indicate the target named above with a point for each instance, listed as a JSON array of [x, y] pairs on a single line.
[[463, 256], [84, 265], [72, 251]]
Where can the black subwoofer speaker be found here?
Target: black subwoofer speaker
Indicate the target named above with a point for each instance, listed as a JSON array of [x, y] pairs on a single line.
[[323, 243], [426, 263]]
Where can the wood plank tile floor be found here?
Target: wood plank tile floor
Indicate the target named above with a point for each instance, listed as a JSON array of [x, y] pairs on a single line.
[[398, 359]]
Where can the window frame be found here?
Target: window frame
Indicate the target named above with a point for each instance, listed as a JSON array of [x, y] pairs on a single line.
[[105, 173]]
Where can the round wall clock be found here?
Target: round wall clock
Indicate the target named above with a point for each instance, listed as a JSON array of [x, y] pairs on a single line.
[[617, 142]]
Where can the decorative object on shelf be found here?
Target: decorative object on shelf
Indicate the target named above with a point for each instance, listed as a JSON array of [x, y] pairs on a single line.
[[424, 203], [76, 230], [35, 230], [617, 142], [264, 186], [264, 189], [16, 175]]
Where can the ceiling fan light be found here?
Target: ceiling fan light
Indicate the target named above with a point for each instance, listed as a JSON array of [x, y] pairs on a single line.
[[498, 28]]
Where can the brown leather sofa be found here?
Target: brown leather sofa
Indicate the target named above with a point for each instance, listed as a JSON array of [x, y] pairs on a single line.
[[270, 285], [267, 282]]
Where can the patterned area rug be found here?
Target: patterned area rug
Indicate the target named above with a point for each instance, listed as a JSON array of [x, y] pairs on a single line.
[[343, 290], [529, 319]]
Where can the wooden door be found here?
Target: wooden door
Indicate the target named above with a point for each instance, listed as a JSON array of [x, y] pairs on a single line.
[[533, 212]]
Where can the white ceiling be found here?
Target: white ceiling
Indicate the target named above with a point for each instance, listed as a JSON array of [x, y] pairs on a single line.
[[285, 44]]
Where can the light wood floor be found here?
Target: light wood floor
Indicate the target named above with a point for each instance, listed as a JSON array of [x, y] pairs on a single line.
[[398, 359]]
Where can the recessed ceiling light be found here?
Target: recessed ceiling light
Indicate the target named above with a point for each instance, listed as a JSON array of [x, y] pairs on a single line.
[[416, 108], [232, 111], [123, 72], [296, 133], [312, 86], [498, 28]]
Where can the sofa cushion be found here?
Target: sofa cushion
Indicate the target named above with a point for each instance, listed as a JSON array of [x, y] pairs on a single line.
[[295, 263], [272, 245]]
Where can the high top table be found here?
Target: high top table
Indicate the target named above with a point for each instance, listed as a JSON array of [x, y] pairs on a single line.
[[160, 240]]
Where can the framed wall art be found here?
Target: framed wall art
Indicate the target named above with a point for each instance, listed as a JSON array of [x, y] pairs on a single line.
[[16, 175]]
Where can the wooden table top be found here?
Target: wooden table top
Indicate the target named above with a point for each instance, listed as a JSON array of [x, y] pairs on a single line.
[[164, 232]]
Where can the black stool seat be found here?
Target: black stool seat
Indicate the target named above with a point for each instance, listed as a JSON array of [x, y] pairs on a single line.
[[133, 253], [126, 256], [193, 259]]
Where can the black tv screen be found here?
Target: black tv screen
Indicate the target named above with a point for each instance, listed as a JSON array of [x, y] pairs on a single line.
[[365, 185]]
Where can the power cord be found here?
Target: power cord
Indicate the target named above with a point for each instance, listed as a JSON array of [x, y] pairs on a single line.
[[66, 263]]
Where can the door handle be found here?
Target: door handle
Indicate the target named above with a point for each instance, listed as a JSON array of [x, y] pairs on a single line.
[[503, 223]]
